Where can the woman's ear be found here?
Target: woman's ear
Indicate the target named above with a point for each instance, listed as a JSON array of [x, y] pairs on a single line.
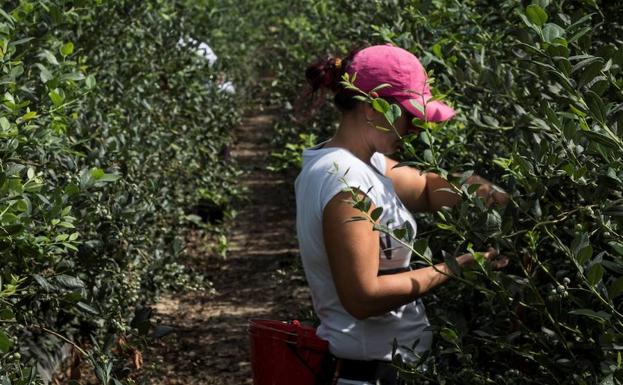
[[368, 111]]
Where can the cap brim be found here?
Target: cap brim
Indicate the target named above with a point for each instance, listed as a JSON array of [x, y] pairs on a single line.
[[436, 111]]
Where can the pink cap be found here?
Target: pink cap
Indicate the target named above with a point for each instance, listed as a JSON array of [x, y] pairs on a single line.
[[403, 71]]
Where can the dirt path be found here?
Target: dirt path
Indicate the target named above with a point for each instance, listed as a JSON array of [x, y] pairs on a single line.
[[257, 279]]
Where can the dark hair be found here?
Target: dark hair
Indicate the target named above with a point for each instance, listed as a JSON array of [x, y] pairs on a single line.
[[325, 74]]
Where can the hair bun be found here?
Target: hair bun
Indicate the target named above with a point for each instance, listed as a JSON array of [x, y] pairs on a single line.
[[325, 73]]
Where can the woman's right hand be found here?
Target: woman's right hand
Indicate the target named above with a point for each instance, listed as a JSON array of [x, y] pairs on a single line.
[[490, 256]]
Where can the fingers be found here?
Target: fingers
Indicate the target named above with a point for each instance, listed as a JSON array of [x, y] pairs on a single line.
[[498, 263], [490, 256], [490, 253]]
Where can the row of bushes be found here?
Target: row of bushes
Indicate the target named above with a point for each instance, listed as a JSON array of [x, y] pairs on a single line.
[[110, 133], [538, 86]]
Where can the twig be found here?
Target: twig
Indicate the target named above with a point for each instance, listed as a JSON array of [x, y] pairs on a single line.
[[78, 348]]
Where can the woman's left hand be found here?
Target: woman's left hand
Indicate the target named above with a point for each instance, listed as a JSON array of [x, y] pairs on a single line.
[[490, 257]]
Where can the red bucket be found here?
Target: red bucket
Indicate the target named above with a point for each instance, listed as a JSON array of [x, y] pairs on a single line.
[[288, 353]]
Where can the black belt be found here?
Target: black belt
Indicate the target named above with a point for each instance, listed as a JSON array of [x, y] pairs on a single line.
[[368, 371], [394, 271]]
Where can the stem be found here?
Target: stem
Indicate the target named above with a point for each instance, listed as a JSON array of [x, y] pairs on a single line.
[[578, 267], [78, 348], [535, 290]]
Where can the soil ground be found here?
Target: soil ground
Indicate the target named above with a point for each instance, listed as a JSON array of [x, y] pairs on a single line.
[[259, 278]]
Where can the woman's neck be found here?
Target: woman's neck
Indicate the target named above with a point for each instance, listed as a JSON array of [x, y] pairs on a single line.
[[351, 137]]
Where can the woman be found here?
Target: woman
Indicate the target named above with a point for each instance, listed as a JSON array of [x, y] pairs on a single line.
[[363, 290]]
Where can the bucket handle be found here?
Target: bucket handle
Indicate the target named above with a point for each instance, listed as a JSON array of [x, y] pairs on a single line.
[[328, 359]]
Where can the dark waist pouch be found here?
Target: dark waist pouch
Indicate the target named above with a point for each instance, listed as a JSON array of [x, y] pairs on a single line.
[[370, 371]]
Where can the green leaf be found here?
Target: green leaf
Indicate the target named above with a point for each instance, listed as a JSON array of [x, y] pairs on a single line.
[[363, 204], [6, 314], [428, 156], [70, 246], [74, 76], [436, 49], [472, 188], [381, 105], [617, 247], [97, 173], [90, 82], [400, 233], [5, 342], [595, 274], [61, 237], [380, 87], [45, 285], [56, 97], [69, 282], [67, 49], [4, 123], [536, 15], [393, 113], [417, 106], [367, 202], [479, 258], [15, 186], [45, 75], [50, 57], [21, 41], [410, 232], [426, 138], [87, 308], [584, 254], [376, 213], [445, 226], [449, 335], [591, 72], [616, 288], [600, 316], [552, 31], [422, 250], [579, 247], [541, 3], [73, 296], [586, 60], [22, 205], [579, 34], [16, 71], [30, 115], [596, 106], [6, 16], [600, 138], [109, 178]]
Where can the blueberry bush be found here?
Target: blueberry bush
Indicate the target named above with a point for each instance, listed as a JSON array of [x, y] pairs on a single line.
[[111, 133]]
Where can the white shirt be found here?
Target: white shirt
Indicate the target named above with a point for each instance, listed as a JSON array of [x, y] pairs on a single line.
[[318, 182]]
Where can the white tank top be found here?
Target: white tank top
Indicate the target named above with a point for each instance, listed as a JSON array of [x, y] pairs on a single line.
[[371, 338]]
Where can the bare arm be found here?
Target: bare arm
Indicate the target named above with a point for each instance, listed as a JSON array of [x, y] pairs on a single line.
[[353, 251], [430, 192]]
